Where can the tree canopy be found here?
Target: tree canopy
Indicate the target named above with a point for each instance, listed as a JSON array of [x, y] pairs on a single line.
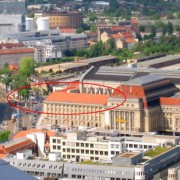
[[4, 136], [26, 66]]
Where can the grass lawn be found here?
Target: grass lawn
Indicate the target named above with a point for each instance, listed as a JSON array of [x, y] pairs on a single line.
[[157, 151], [93, 163]]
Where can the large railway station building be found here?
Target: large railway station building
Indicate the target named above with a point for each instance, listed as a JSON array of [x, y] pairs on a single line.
[[152, 103]]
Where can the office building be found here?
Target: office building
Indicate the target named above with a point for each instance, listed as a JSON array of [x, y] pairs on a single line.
[[79, 146], [12, 23]]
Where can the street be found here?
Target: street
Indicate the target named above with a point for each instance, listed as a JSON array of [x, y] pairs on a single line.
[[26, 119]]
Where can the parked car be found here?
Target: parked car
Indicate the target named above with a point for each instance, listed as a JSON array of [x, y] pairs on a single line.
[[34, 102]]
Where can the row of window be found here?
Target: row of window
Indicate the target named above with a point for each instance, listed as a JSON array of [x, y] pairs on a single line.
[[82, 151], [78, 144]]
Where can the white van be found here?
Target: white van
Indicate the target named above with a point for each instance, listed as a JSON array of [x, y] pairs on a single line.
[[32, 98]]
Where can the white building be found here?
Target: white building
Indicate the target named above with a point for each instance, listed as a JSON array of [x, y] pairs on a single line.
[[29, 24], [45, 52], [43, 24], [99, 148], [24, 154], [12, 23]]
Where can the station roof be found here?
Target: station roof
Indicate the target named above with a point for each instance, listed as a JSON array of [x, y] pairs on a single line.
[[158, 60], [143, 80], [9, 172]]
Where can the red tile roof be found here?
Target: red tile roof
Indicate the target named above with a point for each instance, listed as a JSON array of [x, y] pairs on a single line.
[[78, 98], [127, 35], [19, 145], [23, 133], [68, 88], [134, 20], [3, 150], [128, 29], [117, 28], [15, 147], [131, 91], [130, 40], [11, 45], [66, 30], [117, 35], [13, 67], [170, 101], [17, 51]]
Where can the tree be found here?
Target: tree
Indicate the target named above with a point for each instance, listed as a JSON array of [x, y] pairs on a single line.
[[164, 30], [30, 15], [92, 17], [159, 24], [153, 31], [170, 16], [113, 4], [79, 30], [6, 75], [141, 28], [170, 28], [26, 66], [93, 28], [4, 136], [25, 93], [177, 28], [20, 81]]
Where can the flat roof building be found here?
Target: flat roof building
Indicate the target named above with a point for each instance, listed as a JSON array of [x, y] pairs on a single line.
[[9, 172], [146, 169]]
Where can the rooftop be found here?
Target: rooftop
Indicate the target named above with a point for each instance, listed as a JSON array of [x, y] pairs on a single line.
[[170, 101], [65, 13], [23, 133], [134, 20], [117, 28], [16, 51], [64, 97], [130, 40], [61, 67], [143, 80], [121, 74], [11, 45], [158, 60], [117, 36], [156, 151], [127, 154], [98, 59], [9, 172]]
